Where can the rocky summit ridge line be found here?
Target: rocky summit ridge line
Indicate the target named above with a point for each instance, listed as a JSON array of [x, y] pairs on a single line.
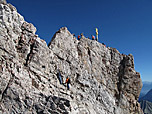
[[103, 81]]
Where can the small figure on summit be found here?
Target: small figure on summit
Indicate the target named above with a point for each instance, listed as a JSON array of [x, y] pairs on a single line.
[[68, 82], [93, 37], [73, 35], [103, 44], [78, 37], [82, 36]]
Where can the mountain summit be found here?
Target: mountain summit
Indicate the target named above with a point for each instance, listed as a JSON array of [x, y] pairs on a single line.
[[103, 81]]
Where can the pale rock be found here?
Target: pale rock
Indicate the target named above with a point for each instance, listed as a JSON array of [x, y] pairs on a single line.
[[103, 81], [3, 2], [12, 8]]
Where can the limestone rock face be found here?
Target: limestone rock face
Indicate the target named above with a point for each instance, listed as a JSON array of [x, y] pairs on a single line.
[[3, 2], [103, 81]]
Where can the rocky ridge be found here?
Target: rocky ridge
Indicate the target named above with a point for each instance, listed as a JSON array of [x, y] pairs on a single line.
[[103, 81]]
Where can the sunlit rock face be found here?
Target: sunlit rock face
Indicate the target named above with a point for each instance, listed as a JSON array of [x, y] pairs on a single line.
[[103, 81]]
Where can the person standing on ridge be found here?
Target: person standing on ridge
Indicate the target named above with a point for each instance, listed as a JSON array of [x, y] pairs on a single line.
[[96, 34], [73, 35], [103, 44], [82, 36], [78, 37], [93, 37], [68, 82]]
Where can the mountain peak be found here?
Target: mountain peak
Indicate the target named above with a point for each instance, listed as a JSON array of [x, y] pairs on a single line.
[[102, 79]]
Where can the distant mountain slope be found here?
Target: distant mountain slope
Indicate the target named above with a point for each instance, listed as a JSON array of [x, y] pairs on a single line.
[[146, 106], [146, 87], [147, 97]]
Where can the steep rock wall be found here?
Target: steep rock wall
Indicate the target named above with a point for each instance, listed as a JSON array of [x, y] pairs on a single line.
[[103, 81]]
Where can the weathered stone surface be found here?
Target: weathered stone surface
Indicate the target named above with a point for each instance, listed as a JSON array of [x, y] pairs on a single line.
[[3, 2], [103, 81]]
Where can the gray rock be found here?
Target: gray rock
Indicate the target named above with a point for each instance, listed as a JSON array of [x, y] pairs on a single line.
[[12, 8], [103, 81], [3, 2]]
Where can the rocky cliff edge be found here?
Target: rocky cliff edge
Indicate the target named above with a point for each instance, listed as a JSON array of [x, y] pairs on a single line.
[[103, 81]]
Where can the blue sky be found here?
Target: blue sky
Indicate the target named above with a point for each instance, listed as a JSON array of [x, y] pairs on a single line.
[[123, 24]]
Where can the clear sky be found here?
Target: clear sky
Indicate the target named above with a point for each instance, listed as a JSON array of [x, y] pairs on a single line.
[[123, 24]]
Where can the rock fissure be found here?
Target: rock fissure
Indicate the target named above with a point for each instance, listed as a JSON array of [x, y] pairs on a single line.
[[120, 74], [29, 55]]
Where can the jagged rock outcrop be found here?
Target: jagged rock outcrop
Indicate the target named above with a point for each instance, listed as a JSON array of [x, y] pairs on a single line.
[[103, 81]]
